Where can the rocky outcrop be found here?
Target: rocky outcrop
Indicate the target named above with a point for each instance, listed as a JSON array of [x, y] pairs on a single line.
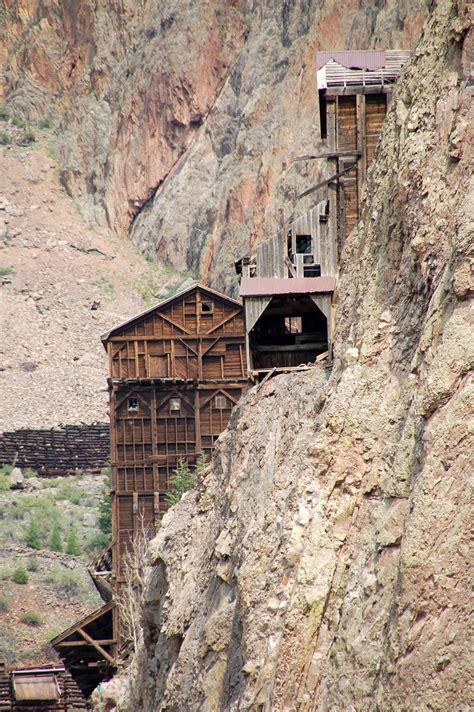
[[177, 122], [322, 561]]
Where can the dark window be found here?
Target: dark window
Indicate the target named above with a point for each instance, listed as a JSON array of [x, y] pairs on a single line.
[[303, 244], [312, 270], [207, 307], [133, 404], [323, 118]]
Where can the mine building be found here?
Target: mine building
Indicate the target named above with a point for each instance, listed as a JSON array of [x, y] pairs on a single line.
[[288, 284], [47, 687], [175, 372], [287, 288], [355, 88]]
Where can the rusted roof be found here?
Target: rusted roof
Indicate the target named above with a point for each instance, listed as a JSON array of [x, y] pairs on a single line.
[[273, 286], [365, 59], [35, 688], [107, 334]]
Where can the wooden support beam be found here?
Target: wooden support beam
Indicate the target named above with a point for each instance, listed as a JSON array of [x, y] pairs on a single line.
[[80, 643], [95, 645], [325, 182]]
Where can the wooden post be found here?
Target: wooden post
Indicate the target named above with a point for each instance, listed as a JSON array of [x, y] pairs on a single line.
[[197, 421]]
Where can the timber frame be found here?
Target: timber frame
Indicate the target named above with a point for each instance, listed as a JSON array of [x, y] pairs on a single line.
[[176, 371]]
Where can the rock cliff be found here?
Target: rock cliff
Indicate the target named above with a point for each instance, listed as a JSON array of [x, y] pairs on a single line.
[[322, 561], [176, 121]]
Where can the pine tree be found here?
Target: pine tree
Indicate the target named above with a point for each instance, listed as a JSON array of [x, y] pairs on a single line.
[[33, 537], [105, 511], [72, 545], [181, 481], [55, 543], [201, 464]]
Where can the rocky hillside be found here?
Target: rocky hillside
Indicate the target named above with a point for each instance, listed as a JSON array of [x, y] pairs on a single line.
[[61, 285], [177, 120], [322, 561]]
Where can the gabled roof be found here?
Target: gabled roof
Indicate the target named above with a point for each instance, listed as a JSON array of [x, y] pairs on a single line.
[[212, 292], [359, 68], [366, 59]]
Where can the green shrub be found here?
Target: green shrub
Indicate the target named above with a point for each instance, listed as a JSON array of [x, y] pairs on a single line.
[[182, 480], [33, 537], [55, 543], [20, 576], [96, 543], [4, 139], [72, 545], [67, 583], [6, 572], [32, 618], [70, 491], [105, 511], [29, 472], [5, 469], [4, 115], [4, 604], [17, 121], [5, 483], [44, 123]]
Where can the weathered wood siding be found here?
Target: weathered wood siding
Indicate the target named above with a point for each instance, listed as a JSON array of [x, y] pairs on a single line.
[[315, 223], [194, 337], [176, 373], [270, 256]]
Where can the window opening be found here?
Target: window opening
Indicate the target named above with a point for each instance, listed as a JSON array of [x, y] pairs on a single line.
[[293, 325], [207, 307], [312, 270], [323, 118], [220, 402], [303, 244], [175, 405], [133, 404]]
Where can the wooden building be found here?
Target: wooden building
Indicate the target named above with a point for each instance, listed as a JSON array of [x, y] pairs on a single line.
[[49, 688], [287, 289], [176, 371], [288, 284], [355, 89]]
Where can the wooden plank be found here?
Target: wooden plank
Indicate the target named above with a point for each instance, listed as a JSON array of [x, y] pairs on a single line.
[[325, 182], [95, 645]]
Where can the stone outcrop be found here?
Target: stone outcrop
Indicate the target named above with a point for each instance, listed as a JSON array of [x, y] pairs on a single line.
[[179, 124], [322, 561]]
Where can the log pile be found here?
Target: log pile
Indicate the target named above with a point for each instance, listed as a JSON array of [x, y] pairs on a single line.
[[57, 451]]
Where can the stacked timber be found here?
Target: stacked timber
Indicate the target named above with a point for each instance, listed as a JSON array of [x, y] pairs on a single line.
[[57, 451]]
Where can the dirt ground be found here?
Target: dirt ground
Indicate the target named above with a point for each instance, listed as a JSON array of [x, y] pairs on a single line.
[[61, 285]]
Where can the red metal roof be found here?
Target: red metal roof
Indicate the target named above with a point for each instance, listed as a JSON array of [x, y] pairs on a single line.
[[273, 286], [365, 59]]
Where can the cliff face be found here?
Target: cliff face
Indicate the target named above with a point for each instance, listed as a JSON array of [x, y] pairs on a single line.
[[322, 561], [177, 122]]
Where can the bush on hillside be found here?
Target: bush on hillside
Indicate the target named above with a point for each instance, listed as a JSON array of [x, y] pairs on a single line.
[[33, 537], [55, 543], [32, 618], [20, 576], [72, 545], [4, 604]]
